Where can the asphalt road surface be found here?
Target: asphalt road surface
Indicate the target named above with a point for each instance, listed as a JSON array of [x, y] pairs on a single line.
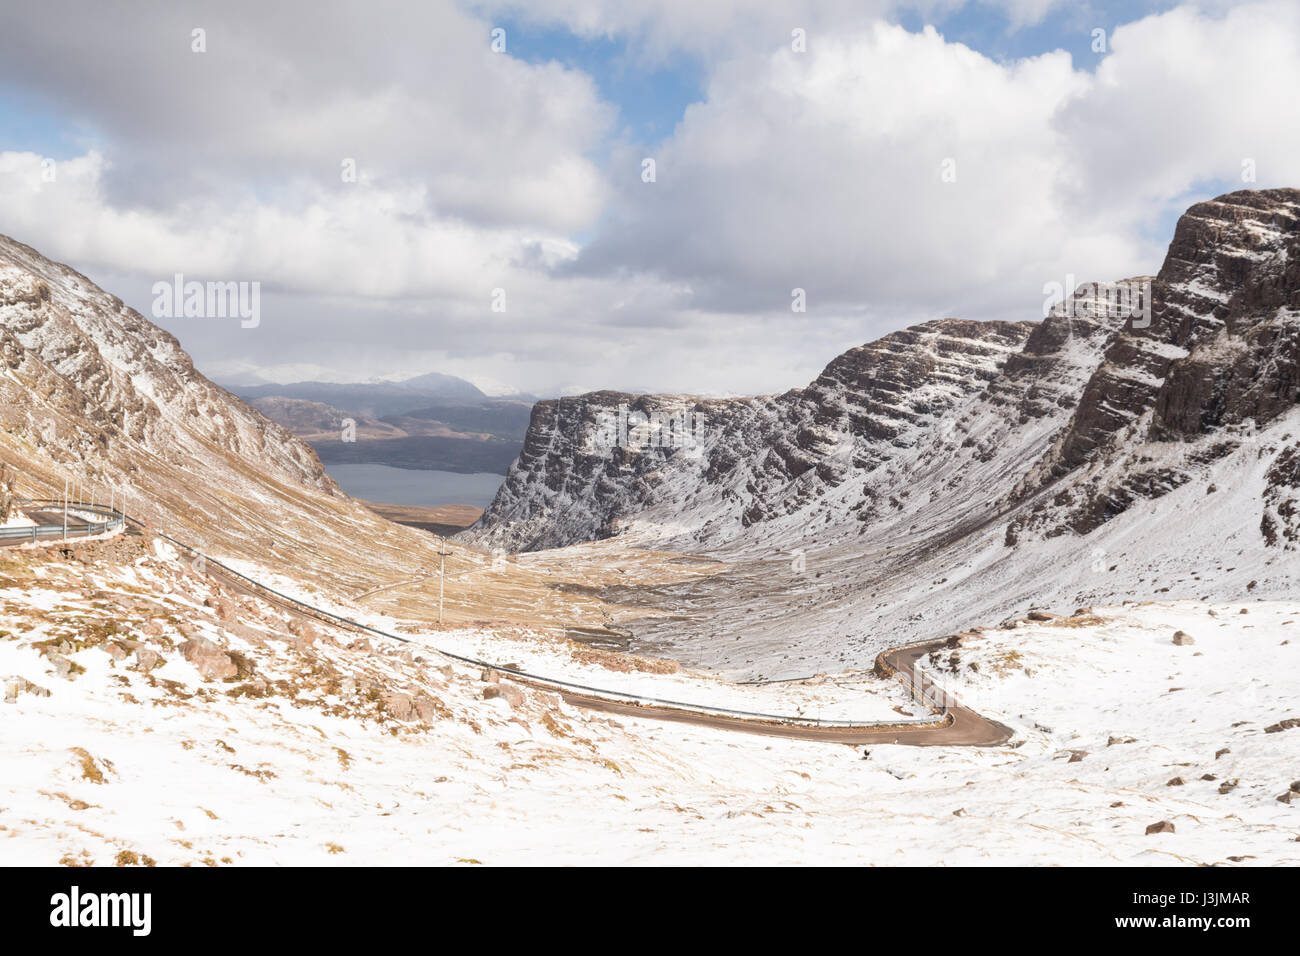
[[963, 727]]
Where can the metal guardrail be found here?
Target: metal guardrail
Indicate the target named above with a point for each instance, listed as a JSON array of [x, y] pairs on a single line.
[[943, 717], [117, 520], [114, 520]]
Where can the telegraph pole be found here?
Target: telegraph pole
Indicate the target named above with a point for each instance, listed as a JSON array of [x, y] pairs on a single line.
[[442, 575]]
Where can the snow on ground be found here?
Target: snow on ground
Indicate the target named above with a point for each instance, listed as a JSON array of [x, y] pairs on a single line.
[[323, 749], [851, 695]]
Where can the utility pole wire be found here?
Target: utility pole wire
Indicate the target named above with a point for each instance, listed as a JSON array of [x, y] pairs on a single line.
[[442, 575]]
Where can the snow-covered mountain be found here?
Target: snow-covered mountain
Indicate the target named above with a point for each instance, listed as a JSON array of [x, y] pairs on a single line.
[[131, 378], [744, 463], [957, 470], [94, 394]]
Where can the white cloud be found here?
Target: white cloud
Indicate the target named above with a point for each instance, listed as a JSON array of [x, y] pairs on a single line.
[[353, 240], [286, 91], [820, 170], [824, 170]]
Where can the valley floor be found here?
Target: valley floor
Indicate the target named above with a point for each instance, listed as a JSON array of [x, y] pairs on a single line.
[[152, 716]]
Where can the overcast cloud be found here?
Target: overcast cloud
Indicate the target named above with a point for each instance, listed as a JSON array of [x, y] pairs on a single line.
[[482, 171]]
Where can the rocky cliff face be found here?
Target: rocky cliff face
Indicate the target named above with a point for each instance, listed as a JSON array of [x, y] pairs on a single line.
[[957, 471], [1216, 366], [1216, 354], [743, 463]]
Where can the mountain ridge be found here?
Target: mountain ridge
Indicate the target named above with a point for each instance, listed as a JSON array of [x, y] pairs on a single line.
[[1088, 458]]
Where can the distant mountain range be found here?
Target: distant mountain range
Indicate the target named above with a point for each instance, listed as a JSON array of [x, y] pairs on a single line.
[[429, 422]]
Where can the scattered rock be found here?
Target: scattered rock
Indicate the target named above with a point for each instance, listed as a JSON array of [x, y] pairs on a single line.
[[1164, 826], [1077, 755], [254, 688], [1042, 616], [1282, 725], [959, 812], [1182, 638], [115, 651], [400, 706], [1228, 786], [1209, 776], [1112, 741], [1175, 782], [15, 685], [62, 666], [1220, 753], [428, 709], [508, 692], [210, 660], [146, 659], [304, 633]]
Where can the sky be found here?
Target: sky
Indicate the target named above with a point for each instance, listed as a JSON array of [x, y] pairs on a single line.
[[883, 162]]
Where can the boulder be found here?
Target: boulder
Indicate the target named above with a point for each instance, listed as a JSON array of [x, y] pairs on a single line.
[[14, 685], [304, 632], [509, 693], [210, 660], [427, 709], [146, 659], [1164, 826], [62, 666], [400, 706], [115, 651], [1182, 638]]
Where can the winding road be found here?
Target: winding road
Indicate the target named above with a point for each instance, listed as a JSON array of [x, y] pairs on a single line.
[[956, 726], [962, 727]]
